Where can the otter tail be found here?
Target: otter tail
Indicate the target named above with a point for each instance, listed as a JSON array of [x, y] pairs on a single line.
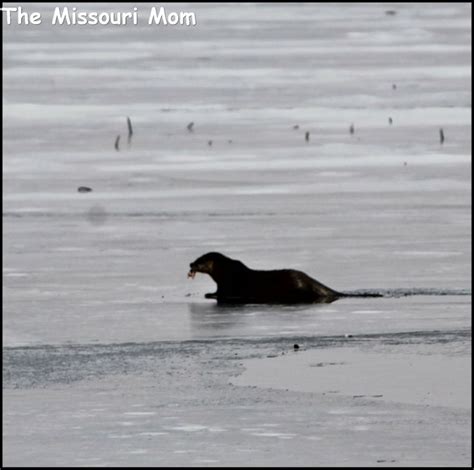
[[403, 292], [360, 294]]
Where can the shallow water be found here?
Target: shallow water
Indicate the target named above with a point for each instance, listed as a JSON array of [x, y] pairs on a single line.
[[387, 209]]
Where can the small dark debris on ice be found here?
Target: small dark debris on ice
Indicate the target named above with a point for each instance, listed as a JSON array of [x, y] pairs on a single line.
[[84, 189]]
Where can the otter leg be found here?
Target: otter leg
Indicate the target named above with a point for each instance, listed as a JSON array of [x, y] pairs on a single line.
[[211, 295]]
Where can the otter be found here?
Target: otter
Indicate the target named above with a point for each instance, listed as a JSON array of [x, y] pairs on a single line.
[[236, 283]]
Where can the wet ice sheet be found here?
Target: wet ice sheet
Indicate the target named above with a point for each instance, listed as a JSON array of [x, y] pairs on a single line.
[[404, 378], [138, 319]]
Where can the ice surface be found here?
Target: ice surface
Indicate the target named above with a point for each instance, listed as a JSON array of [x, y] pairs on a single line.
[[113, 356], [403, 378]]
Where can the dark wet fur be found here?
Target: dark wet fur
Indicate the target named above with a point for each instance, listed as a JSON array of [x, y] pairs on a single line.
[[236, 283]]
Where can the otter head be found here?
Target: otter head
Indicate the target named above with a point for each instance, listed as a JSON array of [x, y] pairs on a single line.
[[206, 264]]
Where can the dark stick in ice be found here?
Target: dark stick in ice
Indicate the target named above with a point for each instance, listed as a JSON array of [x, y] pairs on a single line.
[[130, 130]]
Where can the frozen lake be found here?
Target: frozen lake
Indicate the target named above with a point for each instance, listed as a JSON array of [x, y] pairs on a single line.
[[113, 357]]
